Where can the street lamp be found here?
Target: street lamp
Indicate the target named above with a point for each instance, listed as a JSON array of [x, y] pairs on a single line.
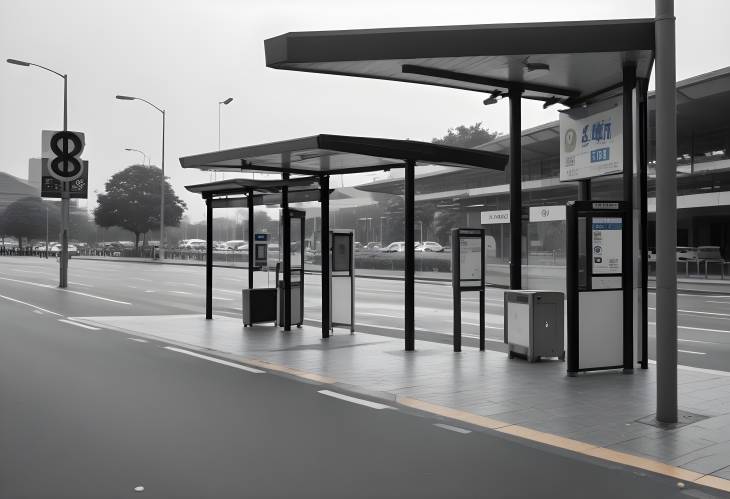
[[225, 103], [65, 194], [144, 156], [162, 182]]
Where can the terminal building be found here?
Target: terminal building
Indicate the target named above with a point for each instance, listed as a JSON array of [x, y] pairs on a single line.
[[703, 183]]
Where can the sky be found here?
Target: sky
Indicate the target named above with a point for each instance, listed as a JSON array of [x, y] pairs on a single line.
[[185, 56]]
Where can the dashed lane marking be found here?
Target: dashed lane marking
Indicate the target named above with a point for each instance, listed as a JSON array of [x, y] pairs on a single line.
[[78, 324], [139, 340], [29, 305], [697, 328], [354, 400], [692, 352], [181, 292], [216, 360], [456, 429]]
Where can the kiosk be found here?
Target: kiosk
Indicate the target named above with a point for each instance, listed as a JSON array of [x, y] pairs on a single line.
[[296, 274], [342, 279], [467, 274], [260, 251], [600, 334]]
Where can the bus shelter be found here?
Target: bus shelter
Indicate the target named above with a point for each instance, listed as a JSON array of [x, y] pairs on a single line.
[[305, 165], [576, 64]]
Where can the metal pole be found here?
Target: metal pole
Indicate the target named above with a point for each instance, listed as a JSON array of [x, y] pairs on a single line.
[[629, 82], [65, 202], [285, 247], [162, 196], [666, 212], [643, 86], [584, 189], [219, 126], [250, 238], [515, 188], [46, 231], [208, 258], [409, 250], [324, 199]]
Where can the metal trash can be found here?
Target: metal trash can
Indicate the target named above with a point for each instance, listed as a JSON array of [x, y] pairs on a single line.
[[534, 324], [259, 305]]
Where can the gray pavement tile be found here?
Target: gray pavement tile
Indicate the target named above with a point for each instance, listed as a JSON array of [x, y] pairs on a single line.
[[723, 473], [663, 449], [706, 460]]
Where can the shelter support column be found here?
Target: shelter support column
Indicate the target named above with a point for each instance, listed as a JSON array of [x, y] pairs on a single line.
[[249, 202], [409, 252], [666, 212], [208, 257], [285, 249], [642, 122], [629, 256], [515, 188], [324, 199], [584, 189]]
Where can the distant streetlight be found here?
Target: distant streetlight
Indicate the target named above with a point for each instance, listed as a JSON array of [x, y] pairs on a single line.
[[225, 103], [162, 182], [65, 194], [144, 156]]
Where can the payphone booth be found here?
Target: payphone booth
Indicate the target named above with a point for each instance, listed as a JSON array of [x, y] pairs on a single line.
[[260, 251], [342, 279], [600, 336], [296, 253]]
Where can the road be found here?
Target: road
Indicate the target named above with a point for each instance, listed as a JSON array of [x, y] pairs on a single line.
[[97, 413], [704, 320]]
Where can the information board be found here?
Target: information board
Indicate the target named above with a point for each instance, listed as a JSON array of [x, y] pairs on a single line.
[[591, 143], [51, 187], [606, 245], [470, 261]]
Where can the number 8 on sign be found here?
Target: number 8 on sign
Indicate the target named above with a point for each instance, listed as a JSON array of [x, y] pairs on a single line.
[[65, 164]]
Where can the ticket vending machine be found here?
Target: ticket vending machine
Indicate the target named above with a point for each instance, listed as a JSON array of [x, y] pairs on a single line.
[[260, 250], [296, 252], [600, 335], [342, 279]]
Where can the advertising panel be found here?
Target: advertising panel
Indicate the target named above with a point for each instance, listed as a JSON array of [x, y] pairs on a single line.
[[606, 245], [591, 142], [470, 260]]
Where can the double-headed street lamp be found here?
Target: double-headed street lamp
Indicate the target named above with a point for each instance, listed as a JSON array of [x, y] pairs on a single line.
[[162, 182], [65, 194]]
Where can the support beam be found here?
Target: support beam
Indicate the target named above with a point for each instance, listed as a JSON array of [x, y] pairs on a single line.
[[584, 189], [666, 212], [515, 188], [251, 227], [324, 189], [285, 248], [410, 255], [208, 258], [629, 259], [643, 92]]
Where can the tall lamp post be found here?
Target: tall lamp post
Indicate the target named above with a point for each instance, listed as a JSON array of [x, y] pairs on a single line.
[[65, 194], [144, 156], [162, 181], [225, 103]]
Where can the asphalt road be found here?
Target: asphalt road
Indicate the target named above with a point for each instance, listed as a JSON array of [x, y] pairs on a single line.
[[97, 413], [704, 320]]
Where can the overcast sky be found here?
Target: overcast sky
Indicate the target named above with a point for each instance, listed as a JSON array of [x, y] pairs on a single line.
[[187, 55]]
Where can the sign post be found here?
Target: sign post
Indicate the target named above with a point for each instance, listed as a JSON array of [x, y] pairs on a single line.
[[62, 170], [467, 274]]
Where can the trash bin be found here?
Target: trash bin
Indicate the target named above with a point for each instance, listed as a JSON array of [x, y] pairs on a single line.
[[259, 305], [533, 324]]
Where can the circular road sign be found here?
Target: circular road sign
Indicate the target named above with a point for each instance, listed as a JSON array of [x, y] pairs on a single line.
[[65, 165]]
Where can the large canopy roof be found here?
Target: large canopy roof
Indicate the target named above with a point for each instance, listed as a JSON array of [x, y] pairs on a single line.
[[556, 60], [338, 154]]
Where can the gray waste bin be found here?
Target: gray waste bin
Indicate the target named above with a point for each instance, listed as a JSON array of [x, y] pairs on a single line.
[[533, 324]]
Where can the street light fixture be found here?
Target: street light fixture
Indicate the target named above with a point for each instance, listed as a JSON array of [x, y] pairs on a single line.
[[162, 182], [225, 103], [144, 156], [65, 194]]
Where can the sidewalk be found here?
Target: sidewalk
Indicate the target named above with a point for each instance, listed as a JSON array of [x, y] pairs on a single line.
[[595, 414]]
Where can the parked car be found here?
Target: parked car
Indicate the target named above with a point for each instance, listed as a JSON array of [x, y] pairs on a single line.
[[72, 250], [394, 247], [686, 253], [709, 253], [243, 247], [430, 246], [193, 244], [372, 246], [235, 244], [357, 246]]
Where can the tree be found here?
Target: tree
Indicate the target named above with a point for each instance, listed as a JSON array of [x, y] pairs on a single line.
[[467, 136], [26, 217], [132, 201]]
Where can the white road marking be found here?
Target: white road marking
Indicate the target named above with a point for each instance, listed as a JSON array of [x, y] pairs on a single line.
[[486, 326], [150, 290], [694, 341], [216, 360], [97, 297], [29, 305], [222, 299], [181, 292], [692, 352], [696, 312], [723, 302], [78, 324], [354, 400], [697, 328], [463, 431], [381, 315], [141, 279], [140, 340], [81, 284], [698, 369]]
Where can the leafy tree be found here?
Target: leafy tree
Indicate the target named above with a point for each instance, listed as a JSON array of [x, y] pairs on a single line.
[[467, 136], [26, 217], [132, 201]]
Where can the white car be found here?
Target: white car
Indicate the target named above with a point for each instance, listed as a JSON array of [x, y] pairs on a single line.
[[56, 250], [430, 246], [235, 244]]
